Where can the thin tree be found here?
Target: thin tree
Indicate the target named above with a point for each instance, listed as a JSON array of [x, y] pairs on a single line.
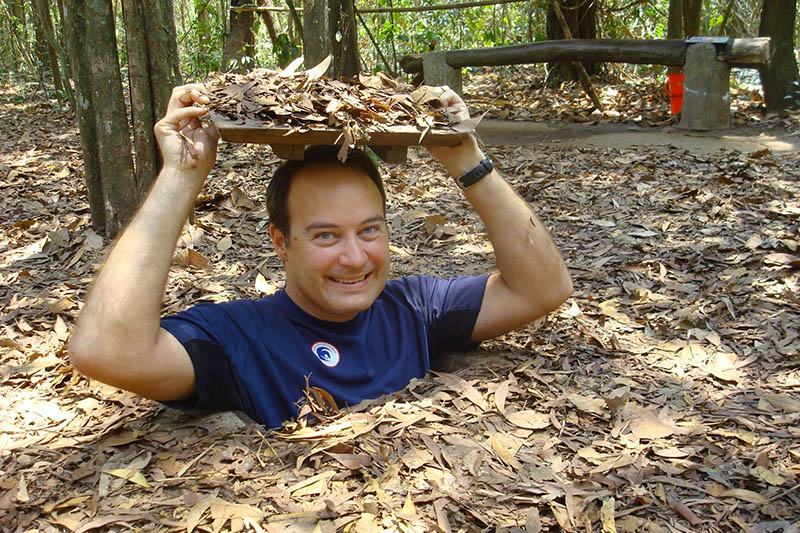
[[692, 12], [113, 188], [344, 38], [684, 18], [330, 28], [316, 31], [152, 71], [102, 118], [46, 42]]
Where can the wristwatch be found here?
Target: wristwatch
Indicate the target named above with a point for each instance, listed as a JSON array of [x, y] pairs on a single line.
[[476, 174]]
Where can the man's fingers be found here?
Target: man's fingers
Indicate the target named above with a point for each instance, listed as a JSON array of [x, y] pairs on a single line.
[[190, 124], [186, 95], [181, 116]]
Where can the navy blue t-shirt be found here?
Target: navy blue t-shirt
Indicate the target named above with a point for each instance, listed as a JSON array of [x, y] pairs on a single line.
[[255, 355]]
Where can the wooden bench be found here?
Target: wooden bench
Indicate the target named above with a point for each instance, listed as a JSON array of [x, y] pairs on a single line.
[[706, 62]]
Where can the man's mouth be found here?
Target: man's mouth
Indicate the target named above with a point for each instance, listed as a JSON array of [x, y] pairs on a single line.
[[349, 281]]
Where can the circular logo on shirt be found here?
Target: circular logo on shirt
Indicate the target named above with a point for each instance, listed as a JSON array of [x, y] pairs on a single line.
[[327, 354]]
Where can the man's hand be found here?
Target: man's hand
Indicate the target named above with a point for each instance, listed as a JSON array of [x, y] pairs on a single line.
[[452, 103], [465, 156], [186, 145]]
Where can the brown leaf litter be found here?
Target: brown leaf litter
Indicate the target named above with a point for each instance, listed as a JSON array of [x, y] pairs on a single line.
[[664, 396]]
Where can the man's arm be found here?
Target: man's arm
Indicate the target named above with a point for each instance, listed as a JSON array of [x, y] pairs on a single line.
[[118, 339], [532, 279]]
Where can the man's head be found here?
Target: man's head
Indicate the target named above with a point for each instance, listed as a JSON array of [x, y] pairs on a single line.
[[327, 222], [278, 188]]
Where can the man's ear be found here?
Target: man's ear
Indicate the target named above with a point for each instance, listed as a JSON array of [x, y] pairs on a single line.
[[278, 241]]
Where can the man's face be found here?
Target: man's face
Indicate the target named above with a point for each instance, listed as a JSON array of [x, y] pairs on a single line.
[[337, 260]]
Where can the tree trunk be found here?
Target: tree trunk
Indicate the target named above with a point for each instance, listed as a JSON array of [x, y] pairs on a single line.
[[344, 38], [581, 16], [114, 147], [692, 9], [153, 71], [270, 24], [675, 20], [144, 144], [675, 26], [44, 23], [103, 120], [162, 46], [18, 12], [74, 24], [295, 26], [60, 44], [40, 49], [316, 24], [780, 78], [239, 47]]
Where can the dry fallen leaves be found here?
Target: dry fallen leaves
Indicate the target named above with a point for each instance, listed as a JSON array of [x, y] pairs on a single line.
[[646, 428]]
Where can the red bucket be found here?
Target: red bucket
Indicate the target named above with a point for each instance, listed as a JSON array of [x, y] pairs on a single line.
[[674, 87]]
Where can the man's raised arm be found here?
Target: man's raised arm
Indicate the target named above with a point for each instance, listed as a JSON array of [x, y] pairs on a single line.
[[118, 339], [532, 279]]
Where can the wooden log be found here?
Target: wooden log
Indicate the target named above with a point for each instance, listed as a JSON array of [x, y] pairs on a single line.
[[749, 53], [745, 52]]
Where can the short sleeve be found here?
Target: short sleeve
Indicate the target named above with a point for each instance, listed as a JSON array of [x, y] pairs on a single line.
[[218, 384], [449, 307]]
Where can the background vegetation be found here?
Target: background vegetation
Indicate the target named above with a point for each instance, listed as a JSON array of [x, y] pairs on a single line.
[[202, 24]]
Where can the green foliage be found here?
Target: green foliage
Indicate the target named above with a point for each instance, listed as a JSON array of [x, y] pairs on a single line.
[[285, 50], [201, 34]]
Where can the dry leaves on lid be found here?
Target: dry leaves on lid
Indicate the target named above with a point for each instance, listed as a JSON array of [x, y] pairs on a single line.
[[305, 100]]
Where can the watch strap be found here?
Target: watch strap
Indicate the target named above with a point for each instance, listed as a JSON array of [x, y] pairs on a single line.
[[476, 174]]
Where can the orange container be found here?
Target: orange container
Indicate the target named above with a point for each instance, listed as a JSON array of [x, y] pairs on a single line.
[[674, 87]]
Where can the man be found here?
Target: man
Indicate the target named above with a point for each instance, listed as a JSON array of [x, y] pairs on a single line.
[[338, 322]]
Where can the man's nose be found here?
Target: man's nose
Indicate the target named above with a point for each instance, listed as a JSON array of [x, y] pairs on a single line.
[[353, 254]]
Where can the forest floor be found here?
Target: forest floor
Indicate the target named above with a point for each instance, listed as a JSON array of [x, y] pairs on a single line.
[[663, 396]]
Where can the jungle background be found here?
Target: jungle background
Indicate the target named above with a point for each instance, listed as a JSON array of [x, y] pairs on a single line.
[[663, 396]]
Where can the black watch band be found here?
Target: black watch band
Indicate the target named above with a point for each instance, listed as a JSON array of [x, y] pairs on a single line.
[[476, 174]]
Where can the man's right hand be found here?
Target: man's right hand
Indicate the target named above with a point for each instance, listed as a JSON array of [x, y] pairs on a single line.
[[186, 145]]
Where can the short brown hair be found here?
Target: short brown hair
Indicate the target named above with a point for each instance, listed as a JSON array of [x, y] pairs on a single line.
[[278, 188]]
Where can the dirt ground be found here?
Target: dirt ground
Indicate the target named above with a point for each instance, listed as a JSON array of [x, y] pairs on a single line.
[[663, 396], [741, 139]]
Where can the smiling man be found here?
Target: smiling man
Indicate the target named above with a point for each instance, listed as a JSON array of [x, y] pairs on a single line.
[[339, 322]]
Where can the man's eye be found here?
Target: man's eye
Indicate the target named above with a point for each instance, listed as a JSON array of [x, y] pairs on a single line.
[[370, 231], [325, 236]]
